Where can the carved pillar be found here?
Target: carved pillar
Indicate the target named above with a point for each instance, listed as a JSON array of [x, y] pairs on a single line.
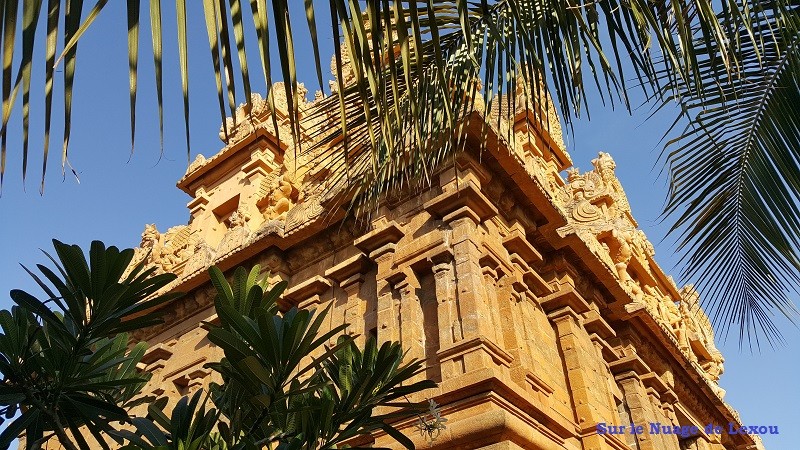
[[519, 306], [388, 303], [449, 321], [645, 395], [463, 210], [471, 293], [493, 306], [642, 412], [412, 334], [662, 400], [379, 246], [585, 368], [350, 275]]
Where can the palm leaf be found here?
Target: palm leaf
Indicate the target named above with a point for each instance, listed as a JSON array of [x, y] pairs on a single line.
[[183, 54], [133, 60], [734, 176], [9, 35], [551, 39], [155, 30], [72, 17]]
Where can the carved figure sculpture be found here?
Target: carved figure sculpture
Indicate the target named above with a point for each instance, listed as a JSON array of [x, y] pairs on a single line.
[[202, 257], [238, 219], [282, 198], [150, 237], [237, 233], [623, 238], [165, 251]]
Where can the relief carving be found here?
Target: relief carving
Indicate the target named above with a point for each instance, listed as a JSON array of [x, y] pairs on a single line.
[[255, 114], [598, 211], [282, 198], [237, 233], [201, 259], [167, 252], [698, 336], [198, 162], [348, 75]]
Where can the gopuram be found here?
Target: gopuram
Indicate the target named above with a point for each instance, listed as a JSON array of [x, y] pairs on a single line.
[[534, 299]]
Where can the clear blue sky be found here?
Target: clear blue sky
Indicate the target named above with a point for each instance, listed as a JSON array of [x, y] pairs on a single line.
[[118, 194]]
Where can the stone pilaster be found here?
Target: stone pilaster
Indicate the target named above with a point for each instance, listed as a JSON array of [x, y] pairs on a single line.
[[641, 390], [585, 368], [463, 209], [379, 246], [412, 334], [517, 311], [350, 275], [450, 331], [449, 321]]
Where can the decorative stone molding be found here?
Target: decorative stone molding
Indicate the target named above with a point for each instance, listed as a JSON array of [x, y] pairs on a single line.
[[381, 240], [466, 201], [156, 356], [598, 212], [519, 290], [168, 252], [460, 348], [349, 271], [307, 293]]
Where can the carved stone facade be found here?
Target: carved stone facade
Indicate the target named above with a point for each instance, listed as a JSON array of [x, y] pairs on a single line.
[[534, 301]]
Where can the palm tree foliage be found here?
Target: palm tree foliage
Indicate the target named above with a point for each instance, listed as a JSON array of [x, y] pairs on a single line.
[[66, 362], [68, 366], [283, 388], [735, 172], [414, 68]]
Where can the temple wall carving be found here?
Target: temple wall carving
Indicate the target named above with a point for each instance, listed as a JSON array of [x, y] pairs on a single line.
[[534, 300]]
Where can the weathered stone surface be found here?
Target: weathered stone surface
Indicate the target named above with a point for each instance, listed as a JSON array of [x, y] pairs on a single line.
[[534, 301]]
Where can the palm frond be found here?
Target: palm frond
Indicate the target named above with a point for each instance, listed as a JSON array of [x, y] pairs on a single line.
[[562, 42], [410, 73], [437, 52], [734, 176]]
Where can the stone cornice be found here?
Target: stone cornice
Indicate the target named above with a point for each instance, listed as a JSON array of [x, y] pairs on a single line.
[[467, 196], [468, 200], [388, 234], [314, 286], [354, 265]]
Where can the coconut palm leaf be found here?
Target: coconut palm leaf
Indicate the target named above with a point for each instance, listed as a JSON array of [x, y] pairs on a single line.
[[531, 38], [734, 175], [410, 73]]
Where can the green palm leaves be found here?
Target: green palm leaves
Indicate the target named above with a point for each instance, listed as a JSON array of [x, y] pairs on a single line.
[[561, 41], [66, 362], [409, 76], [735, 170], [190, 426]]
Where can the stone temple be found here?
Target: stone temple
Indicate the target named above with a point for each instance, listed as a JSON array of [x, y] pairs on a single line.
[[533, 299]]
